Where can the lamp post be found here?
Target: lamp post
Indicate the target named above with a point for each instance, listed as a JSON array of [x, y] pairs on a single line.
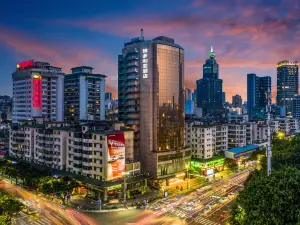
[[188, 176], [125, 173]]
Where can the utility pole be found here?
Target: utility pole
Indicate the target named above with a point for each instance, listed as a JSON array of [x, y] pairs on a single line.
[[269, 148]]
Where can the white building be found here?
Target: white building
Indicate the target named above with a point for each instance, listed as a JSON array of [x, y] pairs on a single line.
[[206, 140], [84, 95], [236, 135], [37, 91]]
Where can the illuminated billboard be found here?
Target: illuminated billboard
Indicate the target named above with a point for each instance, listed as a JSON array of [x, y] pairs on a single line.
[[115, 156], [37, 91]]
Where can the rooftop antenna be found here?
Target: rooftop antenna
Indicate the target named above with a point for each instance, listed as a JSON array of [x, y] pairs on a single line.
[[269, 148], [142, 34]]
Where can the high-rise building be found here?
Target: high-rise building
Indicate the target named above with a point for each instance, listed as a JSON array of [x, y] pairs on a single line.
[[84, 95], [209, 88], [237, 101], [223, 98], [187, 94], [287, 84], [296, 107], [257, 88], [108, 96], [151, 101], [37, 91]]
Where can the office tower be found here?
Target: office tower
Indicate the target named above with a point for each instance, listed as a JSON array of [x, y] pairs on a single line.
[[108, 96], [84, 95], [151, 101], [237, 101], [187, 94], [296, 107], [223, 98], [209, 88], [257, 88], [287, 84], [37, 91]]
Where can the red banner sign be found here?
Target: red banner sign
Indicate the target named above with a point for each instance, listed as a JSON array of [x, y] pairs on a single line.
[[115, 156], [37, 92]]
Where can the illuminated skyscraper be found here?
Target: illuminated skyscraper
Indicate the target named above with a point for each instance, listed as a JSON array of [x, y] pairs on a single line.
[[37, 91], [151, 100], [209, 88], [287, 84]]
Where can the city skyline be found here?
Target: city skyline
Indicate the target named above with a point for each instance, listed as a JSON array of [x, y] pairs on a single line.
[[70, 38]]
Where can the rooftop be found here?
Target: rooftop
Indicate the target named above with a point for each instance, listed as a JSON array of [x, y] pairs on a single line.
[[243, 149]]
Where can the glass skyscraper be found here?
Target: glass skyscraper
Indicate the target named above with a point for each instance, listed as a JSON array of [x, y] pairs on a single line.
[[151, 101], [209, 88], [257, 88], [287, 84]]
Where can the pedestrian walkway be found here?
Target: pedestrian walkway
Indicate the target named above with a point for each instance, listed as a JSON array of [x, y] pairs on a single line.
[[42, 221], [203, 221]]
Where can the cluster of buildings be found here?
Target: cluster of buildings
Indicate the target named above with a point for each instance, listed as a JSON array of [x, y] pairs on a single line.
[[152, 131]]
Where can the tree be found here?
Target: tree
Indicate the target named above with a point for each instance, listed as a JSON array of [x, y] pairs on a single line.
[[61, 187], [230, 163], [274, 199]]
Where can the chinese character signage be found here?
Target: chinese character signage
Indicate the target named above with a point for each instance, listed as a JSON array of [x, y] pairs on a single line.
[[37, 91], [145, 63], [115, 156], [25, 64]]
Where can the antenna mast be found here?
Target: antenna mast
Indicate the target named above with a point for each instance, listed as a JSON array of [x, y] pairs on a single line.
[[269, 148]]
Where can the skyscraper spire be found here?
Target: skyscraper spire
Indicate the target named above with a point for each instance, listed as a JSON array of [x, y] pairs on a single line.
[[211, 54]]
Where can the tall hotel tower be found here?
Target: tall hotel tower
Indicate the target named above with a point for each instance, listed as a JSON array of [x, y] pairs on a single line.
[[37, 91], [151, 100]]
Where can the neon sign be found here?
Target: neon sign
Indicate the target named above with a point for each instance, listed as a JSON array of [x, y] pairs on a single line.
[[37, 91], [25, 64], [145, 63]]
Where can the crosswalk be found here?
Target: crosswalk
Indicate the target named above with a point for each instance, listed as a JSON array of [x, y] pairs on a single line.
[[204, 221], [42, 221]]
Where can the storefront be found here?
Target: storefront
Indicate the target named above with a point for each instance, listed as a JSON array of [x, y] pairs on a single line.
[[209, 166], [241, 153]]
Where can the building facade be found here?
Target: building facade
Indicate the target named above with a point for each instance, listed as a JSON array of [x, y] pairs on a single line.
[[84, 95], [151, 101], [37, 91], [209, 88], [257, 88], [236, 135], [287, 84], [296, 107], [97, 152], [237, 101]]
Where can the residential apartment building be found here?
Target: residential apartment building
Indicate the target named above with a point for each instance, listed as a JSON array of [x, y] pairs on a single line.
[[206, 140], [99, 151], [84, 94], [236, 135]]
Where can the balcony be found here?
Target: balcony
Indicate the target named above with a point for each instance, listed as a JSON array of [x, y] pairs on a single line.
[[87, 163]]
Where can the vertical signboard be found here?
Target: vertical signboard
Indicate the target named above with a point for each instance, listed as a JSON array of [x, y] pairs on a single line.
[[115, 156], [37, 91], [145, 63]]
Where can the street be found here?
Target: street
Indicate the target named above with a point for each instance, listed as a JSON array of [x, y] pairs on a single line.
[[208, 205]]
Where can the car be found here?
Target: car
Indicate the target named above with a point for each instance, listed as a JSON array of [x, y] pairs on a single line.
[[121, 157], [113, 159], [224, 214]]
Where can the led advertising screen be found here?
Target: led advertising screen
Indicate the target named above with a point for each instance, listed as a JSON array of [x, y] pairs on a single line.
[[115, 156]]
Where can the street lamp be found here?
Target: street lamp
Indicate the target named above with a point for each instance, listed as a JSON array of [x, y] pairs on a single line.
[[124, 174], [188, 175]]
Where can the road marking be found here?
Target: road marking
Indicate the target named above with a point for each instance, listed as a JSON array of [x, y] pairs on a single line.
[[204, 221]]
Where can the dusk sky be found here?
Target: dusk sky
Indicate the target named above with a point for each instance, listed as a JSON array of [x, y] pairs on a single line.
[[247, 36]]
